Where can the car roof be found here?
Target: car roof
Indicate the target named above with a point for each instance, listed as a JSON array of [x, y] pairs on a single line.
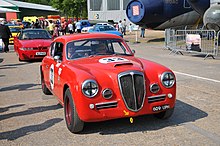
[[27, 29], [82, 36], [102, 24]]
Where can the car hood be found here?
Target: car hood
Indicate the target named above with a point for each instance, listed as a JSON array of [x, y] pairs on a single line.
[[113, 32], [110, 31], [35, 43], [107, 64]]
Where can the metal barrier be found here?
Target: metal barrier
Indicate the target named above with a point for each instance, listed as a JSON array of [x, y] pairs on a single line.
[[218, 44], [169, 38], [192, 41]]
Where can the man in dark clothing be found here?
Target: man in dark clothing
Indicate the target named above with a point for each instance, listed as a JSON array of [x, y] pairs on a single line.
[[5, 34]]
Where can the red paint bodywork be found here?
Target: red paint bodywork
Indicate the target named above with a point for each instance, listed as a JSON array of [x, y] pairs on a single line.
[[75, 72], [38, 45]]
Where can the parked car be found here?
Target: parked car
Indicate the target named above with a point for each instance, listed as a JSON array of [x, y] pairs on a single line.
[[84, 23], [96, 77], [26, 24], [15, 30], [103, 24], [86, 29], [106, 29], [32, 44]]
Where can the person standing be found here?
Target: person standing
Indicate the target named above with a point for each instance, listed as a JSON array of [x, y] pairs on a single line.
[[5, 34], [120, 26], [70, 28], [51, 27], [78, 27], [56, 31], [130, 27], [142, 32], [124, 25]]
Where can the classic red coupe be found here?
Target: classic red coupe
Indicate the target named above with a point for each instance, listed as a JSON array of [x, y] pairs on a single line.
[[32, 44], [96, 78]]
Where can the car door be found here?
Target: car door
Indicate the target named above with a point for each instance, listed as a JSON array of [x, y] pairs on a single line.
[[46, 65], [55, 69]]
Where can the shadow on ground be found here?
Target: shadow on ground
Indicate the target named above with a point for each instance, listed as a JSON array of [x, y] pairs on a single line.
[[183, 113], [29, 111], [15, 134], [4, 109], [20, 87], [156, 40]]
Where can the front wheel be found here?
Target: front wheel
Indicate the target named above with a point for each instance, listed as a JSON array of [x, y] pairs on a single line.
[[44, 88], [165, 114], [73, 122]]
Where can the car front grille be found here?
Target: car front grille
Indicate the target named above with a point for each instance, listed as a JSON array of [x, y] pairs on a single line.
[[132, 89], [107, 105], [40, 48]]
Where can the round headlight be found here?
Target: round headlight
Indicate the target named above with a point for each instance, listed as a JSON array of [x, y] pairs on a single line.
[[168, 79], [90, 88]]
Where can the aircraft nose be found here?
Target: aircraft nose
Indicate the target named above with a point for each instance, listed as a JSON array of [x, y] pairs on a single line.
[[142, 11], [199, 6]]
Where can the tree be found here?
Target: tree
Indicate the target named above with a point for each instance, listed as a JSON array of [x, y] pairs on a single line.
[[76, 8]]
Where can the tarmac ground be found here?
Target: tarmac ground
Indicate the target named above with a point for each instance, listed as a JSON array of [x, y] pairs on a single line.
[[28, 117]]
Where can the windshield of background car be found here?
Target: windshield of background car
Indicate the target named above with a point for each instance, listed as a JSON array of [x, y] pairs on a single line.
[[34, 34], [15, 29], [106, 28], [93, 47]]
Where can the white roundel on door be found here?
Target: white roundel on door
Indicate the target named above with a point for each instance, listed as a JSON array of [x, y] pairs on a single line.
[[113, 59], [52, 76]]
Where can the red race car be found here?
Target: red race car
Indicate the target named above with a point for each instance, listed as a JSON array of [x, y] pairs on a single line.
[[96, 78], [32, 44]]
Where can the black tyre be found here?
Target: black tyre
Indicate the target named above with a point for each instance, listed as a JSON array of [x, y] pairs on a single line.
[[73, 122], [44, 88], [165, 114], [19, 59]]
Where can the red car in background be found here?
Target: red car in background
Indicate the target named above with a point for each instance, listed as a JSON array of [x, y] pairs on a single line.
[[32, 44], [96, 77]]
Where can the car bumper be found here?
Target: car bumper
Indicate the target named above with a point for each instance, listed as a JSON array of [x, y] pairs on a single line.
[[32, 54], [114, 109]]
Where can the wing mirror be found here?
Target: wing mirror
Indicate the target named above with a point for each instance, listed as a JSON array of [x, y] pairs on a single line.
[[133, 51], [57, 59]]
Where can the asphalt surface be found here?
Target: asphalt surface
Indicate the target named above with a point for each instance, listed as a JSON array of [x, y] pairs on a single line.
[[28, 117]]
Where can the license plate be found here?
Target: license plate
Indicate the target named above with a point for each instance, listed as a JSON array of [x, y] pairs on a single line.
[[40, 53], [161, 108]]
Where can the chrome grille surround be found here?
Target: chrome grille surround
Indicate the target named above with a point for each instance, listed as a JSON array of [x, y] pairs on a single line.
[[156, 98], [132, 88], [105, 105]]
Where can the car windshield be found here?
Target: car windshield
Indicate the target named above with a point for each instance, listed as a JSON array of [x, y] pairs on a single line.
[[15, 29], [93, 47], [34, 34], [106, 28]]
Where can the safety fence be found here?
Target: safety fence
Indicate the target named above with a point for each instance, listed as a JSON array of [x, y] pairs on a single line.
[[193, 41], [218, 44]]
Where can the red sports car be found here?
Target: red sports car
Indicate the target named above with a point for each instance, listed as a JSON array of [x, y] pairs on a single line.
[[32, 44], [96, 78]]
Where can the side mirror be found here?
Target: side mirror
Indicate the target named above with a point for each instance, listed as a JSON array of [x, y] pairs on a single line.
[[57, 58], [133, 51]]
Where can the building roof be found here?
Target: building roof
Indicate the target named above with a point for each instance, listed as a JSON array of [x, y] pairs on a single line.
[[5, 10], [5, 4], [30, 5]]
